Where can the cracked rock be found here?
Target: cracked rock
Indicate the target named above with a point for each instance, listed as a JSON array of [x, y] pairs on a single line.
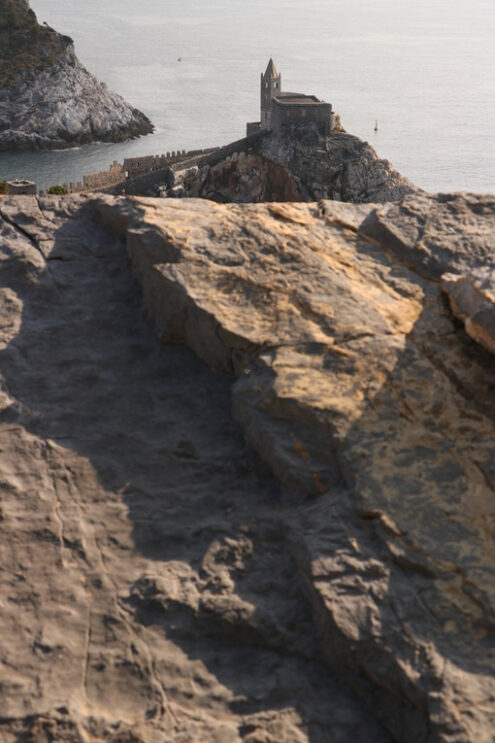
[[163, 583]]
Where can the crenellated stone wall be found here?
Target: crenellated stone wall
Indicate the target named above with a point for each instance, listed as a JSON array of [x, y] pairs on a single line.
[[136, 166], [114, 174], [120, 177]]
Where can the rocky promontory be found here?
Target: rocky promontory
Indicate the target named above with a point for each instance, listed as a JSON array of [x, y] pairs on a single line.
[[295, 163], [48, 99], [276, 525]]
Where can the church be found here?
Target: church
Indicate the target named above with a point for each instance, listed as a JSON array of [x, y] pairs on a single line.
[[279, 108]]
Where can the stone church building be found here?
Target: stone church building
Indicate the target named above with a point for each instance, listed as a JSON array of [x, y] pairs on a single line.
[[279, 108]]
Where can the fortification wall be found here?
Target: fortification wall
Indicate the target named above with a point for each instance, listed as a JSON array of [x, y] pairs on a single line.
[[74, 187], [114, 174], [142, 183], [136, 166], [240, 145], [136, 169]]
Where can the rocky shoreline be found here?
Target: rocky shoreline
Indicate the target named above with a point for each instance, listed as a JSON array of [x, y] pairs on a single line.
[[65, 106], [294, 164]]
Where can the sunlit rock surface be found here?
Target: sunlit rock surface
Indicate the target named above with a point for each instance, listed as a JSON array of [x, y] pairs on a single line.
[[159, 584]]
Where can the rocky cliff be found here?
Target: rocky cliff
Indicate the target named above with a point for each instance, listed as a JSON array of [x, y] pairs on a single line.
[[160, 582], [294, 164], [47, 98]]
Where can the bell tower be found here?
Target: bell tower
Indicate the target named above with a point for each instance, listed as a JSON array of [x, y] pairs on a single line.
[[271, 86]]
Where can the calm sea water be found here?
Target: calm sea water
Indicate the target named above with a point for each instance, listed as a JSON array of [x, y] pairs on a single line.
[[424, 68]]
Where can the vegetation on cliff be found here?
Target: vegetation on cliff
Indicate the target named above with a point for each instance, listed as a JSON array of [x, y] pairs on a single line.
[[25, 45], [48, 98], [57, 190]]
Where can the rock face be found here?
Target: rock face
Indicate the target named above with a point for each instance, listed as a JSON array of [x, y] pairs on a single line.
[[340, 167], [58, 103], [158, 585], [296, 164], [147, 592], [457, 250]]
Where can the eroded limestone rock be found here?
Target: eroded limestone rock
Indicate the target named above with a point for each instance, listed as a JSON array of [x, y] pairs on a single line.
[[158, 569], [358, 388], [148, 595], [447, 237], [64, 105]]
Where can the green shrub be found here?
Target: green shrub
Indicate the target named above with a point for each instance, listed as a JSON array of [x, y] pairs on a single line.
[[3, 188], [57, 190]]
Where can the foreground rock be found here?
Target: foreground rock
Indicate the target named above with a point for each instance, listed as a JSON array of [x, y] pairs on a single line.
[[48, 99], [178, 614], [295, 164], [147, 592], [358, 387], [456, 249]]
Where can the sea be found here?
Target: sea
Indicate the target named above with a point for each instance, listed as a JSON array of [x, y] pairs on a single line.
[[423, 69]]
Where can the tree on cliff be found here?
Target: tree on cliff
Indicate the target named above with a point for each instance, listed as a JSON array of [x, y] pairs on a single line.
[[57, 190]]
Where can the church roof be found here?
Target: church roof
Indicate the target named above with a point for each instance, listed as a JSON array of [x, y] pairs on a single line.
[[271, 70], [293, 98]]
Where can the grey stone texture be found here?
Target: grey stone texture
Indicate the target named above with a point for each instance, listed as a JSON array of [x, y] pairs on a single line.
[[63, 106], [296, 163], [417, 237], [299, 110], [148, 595]]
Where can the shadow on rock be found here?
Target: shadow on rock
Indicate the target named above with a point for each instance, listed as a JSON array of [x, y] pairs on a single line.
[[147, 538]]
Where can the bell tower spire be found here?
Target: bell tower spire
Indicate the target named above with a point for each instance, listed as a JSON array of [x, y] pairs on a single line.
[[271, 86]]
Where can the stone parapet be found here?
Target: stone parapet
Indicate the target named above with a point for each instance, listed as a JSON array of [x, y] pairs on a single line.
[[21, 187]]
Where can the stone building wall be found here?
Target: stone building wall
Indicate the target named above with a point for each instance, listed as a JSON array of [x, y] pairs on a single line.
[[140, 184], [240, 145], [252, 127], [134, 166], [271, 85], [18, 188], [119, 177], [294, 113]]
